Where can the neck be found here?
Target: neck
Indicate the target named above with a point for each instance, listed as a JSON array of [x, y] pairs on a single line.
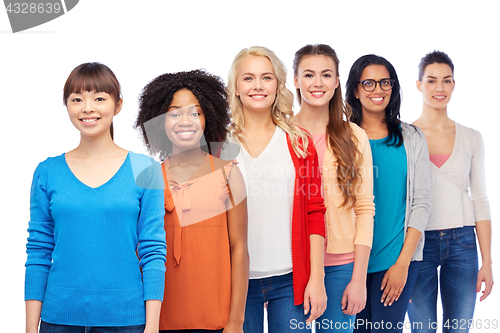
[[313, 118], [373, 121], [185, 157], [96, 147], [258, 121], [432, 117]]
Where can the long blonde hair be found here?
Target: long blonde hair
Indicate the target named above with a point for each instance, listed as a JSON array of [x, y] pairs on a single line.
[[281, 111]]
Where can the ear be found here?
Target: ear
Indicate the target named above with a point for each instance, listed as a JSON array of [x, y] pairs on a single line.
[[296, 82], [338, 82], [118, 106], [453, 87], [419, 85], [356, 93]]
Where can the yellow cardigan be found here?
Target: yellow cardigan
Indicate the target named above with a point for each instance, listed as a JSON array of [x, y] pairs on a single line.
[[348, 227]]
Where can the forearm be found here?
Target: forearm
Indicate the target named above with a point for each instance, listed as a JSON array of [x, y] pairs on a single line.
[[483, 230], [33, 310], [410, 244], [317, 244], [361, 257], [239, 284], [153, 308]]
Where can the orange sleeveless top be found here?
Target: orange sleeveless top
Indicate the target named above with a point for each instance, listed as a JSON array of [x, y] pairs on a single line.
[[198, 267]]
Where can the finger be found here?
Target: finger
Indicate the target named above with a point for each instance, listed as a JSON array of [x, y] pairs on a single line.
[[384, 282], [306, 304], [487, 290], [478, 284], [390, 296], [344, 301]]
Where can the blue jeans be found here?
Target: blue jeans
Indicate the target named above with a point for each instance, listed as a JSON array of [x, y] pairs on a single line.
[[376, 317], [282, 315], [456, 252], [53, 328], [333, 319]]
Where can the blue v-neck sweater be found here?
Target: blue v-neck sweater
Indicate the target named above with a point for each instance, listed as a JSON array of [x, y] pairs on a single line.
[[82, 260]]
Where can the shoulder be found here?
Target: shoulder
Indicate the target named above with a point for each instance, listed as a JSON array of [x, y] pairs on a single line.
[[51, 163], [412, 132], [146, 170], [359, 133], [472, 138]]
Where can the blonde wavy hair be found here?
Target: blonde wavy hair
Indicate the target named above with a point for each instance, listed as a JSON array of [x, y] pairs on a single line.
[[281, 111]]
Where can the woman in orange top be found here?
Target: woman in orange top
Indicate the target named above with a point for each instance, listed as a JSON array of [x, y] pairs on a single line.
[[182, 117]]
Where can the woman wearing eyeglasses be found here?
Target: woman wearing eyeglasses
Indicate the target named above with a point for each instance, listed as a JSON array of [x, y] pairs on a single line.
[[401, 185], [457, 156]]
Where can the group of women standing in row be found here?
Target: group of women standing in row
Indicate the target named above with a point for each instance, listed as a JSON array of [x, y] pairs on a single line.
[[318, 216]]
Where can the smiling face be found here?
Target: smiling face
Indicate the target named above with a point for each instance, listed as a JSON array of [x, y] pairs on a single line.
[[256, 84], [185, 121], [92, 112], [437, 85], [317, 80], [375, 101]]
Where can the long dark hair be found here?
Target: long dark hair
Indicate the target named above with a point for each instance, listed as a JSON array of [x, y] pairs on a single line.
[[392, 116]]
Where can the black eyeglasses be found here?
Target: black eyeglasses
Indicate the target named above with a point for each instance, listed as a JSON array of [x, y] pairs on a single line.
[[370, 85]]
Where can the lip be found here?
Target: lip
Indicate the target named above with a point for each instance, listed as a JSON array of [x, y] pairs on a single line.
[[317, 93], [377, 100], [439, 98], [89, 121], [186, 134], [258, 97]]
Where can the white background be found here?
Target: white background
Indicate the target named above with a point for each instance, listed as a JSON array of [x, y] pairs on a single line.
[[140, 40]]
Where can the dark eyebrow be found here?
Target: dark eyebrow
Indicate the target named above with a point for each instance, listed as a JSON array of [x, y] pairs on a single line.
[[433, 77], [323, 71], [180, 107]]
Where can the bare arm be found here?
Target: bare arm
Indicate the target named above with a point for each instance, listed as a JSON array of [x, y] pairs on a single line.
[[395, 278], [33, 310], [354, 297], [315, 293], [153, 308], [237, 221], [485, 274]]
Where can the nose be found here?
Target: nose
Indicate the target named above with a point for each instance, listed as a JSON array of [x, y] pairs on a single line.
[[378, 87], [87, 105], [257, 85], [439, 86], [317, 81], [185, 120]]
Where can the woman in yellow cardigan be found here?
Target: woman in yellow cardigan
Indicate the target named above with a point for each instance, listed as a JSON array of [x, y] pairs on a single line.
[[345, 156]]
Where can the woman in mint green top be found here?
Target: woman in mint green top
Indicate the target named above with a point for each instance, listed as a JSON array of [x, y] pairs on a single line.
[[401, 189]]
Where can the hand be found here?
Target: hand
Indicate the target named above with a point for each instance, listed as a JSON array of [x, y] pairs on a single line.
[[354, 298], [485, 275], [393, 283], [315, 298], [232, 327]]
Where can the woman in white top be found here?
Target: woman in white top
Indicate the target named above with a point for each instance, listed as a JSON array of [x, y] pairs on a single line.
[[285, 209], [457, 156]]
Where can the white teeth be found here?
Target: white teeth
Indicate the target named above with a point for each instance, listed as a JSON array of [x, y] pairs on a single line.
[[378, 99], [317, 93], [184, 133], [89, 120]]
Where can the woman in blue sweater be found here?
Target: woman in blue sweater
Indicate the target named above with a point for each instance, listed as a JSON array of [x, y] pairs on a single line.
[[88, 218]]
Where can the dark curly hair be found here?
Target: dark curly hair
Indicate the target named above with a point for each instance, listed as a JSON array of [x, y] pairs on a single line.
[[157, 96]]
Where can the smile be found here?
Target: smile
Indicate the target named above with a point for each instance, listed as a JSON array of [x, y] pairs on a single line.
[[89, 121], [318, 93], [439, 97], [377, 100]]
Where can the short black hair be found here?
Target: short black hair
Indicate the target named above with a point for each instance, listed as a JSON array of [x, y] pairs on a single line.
[[392, 116], [157, 96], [434, 57]]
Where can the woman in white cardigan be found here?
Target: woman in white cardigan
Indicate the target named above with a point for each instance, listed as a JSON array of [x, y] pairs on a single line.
[[457, 169]]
